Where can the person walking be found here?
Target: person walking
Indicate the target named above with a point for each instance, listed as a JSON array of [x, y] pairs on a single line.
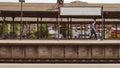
[[92, 29]]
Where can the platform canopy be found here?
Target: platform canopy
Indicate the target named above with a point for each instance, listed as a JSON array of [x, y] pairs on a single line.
[[50, 10]]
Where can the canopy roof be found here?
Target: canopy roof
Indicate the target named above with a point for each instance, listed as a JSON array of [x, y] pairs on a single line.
[[50, 10], [6, 6]]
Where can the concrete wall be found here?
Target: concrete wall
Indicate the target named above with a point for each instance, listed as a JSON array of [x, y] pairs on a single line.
[[59, 51]]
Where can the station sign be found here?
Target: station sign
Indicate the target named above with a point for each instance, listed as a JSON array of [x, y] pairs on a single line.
[[80, 11]]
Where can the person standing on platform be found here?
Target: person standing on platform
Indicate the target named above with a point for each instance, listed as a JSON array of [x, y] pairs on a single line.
[[92, 29]]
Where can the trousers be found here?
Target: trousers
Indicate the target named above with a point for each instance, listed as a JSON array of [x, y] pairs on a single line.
[[93, 32]]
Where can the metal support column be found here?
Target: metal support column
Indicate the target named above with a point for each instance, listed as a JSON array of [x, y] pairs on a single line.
[[116, 30], [41, 28], [13, 33], [21, 24], [29, 30], [68, 28], [38, 35], [84, 30], [4, 33], [71, 28], [46, 32], [81, 31], [58, 25], [103, 20]]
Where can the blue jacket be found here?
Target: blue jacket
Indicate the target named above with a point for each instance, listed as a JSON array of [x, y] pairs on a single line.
[[92, 27]]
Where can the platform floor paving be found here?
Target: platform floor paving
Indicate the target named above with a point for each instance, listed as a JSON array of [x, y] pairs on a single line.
[[60, 42], [59, 65]]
